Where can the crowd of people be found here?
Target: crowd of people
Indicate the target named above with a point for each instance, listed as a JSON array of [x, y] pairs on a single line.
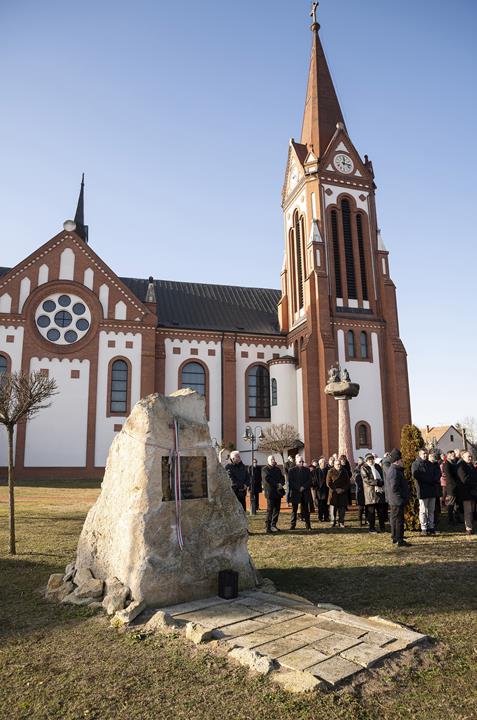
[[326, 487]]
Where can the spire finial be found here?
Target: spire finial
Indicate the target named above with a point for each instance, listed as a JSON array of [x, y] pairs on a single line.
[[81, 228], [314, 7]]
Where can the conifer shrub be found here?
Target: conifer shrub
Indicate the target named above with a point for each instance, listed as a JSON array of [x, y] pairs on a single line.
[[411, 442]]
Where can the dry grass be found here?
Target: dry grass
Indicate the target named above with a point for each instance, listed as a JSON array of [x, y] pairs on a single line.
[[67, 663]]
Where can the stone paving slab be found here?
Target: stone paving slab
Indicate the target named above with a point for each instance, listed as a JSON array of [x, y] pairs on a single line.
[[375, 624], [281, 646], [219, 616], [302, 659], [195, 605], [364, 654], [374, 637], [337, 627], [334, 644], [244, 627], [335, 670]]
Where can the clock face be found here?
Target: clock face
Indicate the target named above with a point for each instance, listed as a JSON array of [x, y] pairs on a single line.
[[343, 163], [293, 175]]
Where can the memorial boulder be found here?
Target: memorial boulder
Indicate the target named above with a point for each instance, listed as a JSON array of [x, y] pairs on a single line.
[[166, 521]]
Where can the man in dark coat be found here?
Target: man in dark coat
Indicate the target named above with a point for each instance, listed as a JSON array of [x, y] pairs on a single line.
[[397, 494], [373, 485], [273, 487], [238, 475], [467, 474], [299, 488], [358, 481], [255, 484], [320, 489], [427, 489]]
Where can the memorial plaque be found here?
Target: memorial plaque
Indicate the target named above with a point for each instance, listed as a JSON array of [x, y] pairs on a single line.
[[193, 478]]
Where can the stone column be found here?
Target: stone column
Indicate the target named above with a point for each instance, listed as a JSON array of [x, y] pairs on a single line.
[[345, 440]]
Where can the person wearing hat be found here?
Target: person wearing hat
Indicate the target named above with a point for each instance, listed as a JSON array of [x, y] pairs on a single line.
[[397, 493], [373, 485]]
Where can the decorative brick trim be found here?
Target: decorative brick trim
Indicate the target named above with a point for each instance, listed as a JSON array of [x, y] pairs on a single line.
[[10, 338], [176, 351], [111, 343], [194, 351], [211, 352], [75, 374], [129, 344]]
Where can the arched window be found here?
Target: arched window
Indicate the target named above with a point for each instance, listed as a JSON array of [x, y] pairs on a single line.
[[362, 262], [298, 233], [348, 246], [363, 435], [351, 345], [336, 253], [363, 343], [258, 392], [274, 392], [119, 388], [3, 364], [193, 377]]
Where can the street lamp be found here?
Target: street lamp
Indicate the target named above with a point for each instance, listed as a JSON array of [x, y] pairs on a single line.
[[251, 435]]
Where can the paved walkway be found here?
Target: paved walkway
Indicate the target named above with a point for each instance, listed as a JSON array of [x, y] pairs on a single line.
[[322, 641]]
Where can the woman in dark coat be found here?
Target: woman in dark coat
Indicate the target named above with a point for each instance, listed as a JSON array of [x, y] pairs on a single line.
[[338, 482]]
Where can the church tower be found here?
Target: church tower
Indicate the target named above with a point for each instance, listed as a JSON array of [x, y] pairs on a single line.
[[338, 301]]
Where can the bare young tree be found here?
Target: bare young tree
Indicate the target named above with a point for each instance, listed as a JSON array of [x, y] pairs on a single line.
[[279, 439], [22, 395]]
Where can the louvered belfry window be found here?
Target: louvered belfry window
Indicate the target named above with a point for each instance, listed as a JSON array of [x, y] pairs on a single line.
[[298, 230], [336, 253], [362, 261], [348, 246]]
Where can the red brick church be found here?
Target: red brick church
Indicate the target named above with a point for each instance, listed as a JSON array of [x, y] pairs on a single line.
[[258, 355]]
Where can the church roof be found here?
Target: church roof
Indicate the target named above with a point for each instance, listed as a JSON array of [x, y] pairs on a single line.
[[200, 306], [322, 108]]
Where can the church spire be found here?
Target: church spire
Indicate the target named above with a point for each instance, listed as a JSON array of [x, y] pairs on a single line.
[[81, 228], [322, 109]]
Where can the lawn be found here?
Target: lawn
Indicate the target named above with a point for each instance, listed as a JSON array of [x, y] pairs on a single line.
[[67, 663]]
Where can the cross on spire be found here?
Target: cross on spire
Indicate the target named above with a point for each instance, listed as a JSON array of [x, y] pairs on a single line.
[[314, 8]]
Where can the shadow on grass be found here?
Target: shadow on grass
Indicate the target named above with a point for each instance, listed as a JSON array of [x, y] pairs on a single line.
[[431, 588], [22, 605]]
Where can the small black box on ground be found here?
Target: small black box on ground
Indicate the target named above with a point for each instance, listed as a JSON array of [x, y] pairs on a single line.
[[228, 584]]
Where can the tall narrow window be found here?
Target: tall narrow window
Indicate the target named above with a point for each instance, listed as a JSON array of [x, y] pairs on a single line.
[[3, 364], [193, 377], [336, 253], [258, 392], [362, 262], [363, 436], [274, 393], [363, 342], [119, 387], [298, 229], [351, 345], [348, 246]]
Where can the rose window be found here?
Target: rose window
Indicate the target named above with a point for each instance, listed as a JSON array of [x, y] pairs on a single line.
[[63, 319]]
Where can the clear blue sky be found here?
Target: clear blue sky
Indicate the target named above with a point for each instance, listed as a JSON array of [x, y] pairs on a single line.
[[180, 115]]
